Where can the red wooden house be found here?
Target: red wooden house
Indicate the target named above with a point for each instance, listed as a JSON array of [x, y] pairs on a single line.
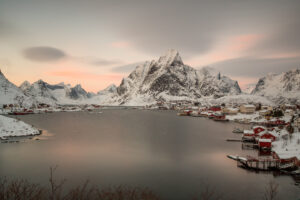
[[215, 108], [265, 143], [268, 136], [258, 129]]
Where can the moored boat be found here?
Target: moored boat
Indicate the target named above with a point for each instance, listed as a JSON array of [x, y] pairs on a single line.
[[237, 130]]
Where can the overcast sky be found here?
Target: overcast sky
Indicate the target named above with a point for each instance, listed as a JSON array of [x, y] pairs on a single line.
[[96, 43]]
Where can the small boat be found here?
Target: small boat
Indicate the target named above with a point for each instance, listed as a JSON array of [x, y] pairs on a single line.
[[295, 172], [221, 120], [182, 114], [232, 157], [237, 157], [287, 166], [237, 130]]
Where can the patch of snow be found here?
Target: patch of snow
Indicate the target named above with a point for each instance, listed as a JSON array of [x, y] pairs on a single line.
[[13, 127]]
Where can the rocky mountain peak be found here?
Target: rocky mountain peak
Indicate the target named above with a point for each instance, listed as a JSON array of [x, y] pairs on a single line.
[[170, 58], [168, 78], [25, 85]]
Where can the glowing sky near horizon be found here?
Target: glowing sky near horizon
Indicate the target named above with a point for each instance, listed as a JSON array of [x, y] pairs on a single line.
[[96, 43]]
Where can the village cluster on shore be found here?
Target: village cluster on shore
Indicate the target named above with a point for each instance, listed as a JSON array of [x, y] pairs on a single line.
[[274, 132]]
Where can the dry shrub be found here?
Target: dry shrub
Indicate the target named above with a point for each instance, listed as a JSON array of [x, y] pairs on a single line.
[[271, 191], [126, 193], [20, 189]]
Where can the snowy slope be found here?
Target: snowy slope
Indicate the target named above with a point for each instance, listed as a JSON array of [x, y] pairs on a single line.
[[39, 90], [284, 87], [108, 96], [241, 99], [11, 94], [168, 78], [14, 127]]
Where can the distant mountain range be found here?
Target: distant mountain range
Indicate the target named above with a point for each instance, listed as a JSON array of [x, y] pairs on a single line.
[[280, 88], [165, 79]]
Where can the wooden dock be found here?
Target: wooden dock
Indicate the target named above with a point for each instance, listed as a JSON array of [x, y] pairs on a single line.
[[259, 163], [233, 140]]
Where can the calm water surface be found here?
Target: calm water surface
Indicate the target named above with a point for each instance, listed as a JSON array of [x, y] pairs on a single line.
[[176, 157]]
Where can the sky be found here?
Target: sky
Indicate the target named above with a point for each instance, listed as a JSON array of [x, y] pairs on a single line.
[[97, 43]]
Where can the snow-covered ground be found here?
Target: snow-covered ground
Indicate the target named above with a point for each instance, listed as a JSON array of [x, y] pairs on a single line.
[[242, 99], [14, 127], [254, 118], [289, 147]]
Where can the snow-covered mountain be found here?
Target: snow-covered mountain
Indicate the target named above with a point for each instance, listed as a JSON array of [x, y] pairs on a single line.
[[108, 96], [11, 94], [55, 94], [111, 89], [280, 88], [168, 78], [40, 91]]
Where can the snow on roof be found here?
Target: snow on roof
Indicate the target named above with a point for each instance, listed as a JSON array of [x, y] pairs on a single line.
[[254, 127], [249, 106], [232, 109], [264, 140], [267, 132], [248, 131]]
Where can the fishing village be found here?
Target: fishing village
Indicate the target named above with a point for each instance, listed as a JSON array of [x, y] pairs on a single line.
[[273, 132]]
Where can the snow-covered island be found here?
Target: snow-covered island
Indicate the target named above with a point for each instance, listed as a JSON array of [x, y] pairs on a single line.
[[10, 127]]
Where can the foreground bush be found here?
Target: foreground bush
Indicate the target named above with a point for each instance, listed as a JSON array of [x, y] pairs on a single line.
[[21, 189]]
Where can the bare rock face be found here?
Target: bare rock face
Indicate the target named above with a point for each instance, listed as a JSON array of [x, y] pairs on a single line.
[[169, 78]]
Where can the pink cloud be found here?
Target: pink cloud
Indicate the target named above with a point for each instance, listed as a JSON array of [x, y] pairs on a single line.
[[229, 48], [245, 81], [120, 44], [243, 42], [86, 75], [90, 81], [283, 55]]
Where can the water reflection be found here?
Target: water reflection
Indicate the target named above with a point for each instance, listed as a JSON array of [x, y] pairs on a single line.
[[175, 156]]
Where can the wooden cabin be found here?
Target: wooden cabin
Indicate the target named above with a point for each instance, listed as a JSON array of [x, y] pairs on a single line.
[[265, 143], [230, 111], [268, 135], [247, 109], [215, 108], [258, 129]]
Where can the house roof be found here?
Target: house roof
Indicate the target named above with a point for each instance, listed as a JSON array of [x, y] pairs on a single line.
[[265, 140], [249, 106]]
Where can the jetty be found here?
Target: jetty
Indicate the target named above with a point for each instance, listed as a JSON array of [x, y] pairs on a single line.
[[233, 140], [262, 164]]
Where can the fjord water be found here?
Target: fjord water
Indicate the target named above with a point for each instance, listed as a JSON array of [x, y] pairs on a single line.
[[176, 157]]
